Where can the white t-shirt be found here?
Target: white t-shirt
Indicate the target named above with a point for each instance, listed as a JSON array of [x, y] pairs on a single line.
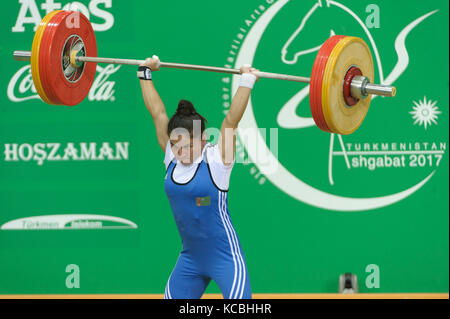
[[219, 171]]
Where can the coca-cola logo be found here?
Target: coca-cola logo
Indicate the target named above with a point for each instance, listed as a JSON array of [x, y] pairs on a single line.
[[21, 87]]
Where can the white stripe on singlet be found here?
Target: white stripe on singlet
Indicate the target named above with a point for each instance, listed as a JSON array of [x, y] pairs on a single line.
[[234, 243]]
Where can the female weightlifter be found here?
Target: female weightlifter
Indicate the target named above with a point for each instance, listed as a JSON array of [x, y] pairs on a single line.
[[196, 184]]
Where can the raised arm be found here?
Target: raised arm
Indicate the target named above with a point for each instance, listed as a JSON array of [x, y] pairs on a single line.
[[154, 103], [227, 138]]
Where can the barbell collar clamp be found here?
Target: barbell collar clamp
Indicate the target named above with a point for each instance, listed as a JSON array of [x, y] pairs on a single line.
[[361, 87], [380, 89]]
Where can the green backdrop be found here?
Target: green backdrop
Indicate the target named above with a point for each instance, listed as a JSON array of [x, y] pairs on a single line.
[[335, 204]]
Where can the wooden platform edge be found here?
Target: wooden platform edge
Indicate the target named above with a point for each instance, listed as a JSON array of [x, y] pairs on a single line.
[[219, 296]]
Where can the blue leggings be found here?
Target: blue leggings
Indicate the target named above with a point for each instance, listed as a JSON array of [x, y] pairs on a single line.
[[190, 277]]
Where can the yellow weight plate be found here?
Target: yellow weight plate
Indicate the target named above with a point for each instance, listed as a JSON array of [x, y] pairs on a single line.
[[348, 52], [35, 55]]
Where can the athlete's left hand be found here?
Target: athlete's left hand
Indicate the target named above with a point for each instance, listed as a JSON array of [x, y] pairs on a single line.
[[249, 69]]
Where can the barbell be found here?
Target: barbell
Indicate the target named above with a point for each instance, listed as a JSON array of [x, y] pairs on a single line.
[[64, 56]]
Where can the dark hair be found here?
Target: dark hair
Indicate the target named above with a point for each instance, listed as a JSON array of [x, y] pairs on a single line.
[[184, 117]]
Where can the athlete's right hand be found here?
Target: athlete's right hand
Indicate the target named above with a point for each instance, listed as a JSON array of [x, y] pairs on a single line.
[[153, 63]]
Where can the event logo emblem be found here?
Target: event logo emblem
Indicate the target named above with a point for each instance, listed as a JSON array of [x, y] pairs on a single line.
[[358, 155]]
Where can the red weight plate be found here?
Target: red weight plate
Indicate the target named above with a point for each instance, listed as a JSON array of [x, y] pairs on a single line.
[[72, 88], [346, 90], [44, 56], [36, 48], [315, 90]]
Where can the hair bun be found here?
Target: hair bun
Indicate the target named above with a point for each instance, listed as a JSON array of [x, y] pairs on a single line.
[[185, 108]]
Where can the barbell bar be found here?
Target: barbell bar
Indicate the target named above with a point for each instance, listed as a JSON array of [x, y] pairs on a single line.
[[366, 88], [63, 66]]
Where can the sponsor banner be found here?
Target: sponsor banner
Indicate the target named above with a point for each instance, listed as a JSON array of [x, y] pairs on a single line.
[[18, 34], [69, 152], [72, 221], [21, 87], [76, 218]]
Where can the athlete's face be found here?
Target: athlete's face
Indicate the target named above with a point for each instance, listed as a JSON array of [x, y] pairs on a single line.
[[186, 149]]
